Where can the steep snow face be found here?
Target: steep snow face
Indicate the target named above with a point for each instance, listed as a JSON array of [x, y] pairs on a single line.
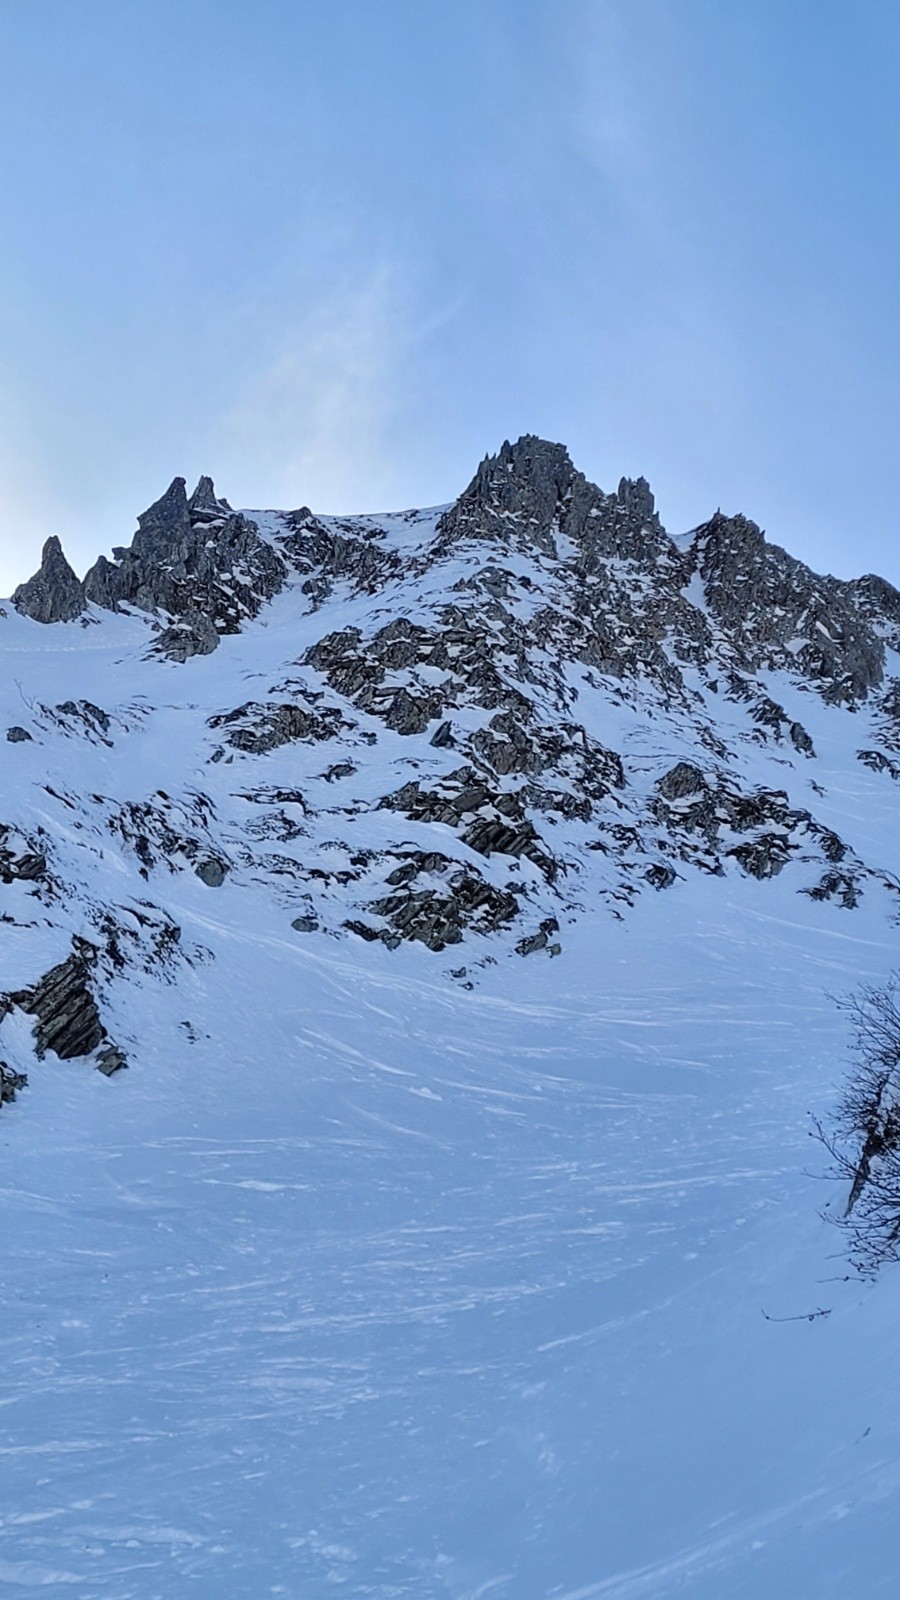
[[467, 914]]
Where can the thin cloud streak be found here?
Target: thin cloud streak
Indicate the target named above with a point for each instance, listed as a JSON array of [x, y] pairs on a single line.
[[314, 424]]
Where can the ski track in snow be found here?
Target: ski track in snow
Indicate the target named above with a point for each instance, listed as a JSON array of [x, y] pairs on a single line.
[[398, 1290]]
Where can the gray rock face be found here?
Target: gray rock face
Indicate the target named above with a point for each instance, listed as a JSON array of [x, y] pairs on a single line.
[[879, 602], [532, 480], [257, 729], [205, 569], [200, 564], [437, 916], [203, 505], [196, 561], [66, 1017], [530, 493], [683, 780], [771, 611], [54, 594], [779, 613], [193, 635], [18, 735], [326, 556]]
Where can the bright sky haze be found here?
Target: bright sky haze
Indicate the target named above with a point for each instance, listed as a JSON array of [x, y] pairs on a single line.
[[334, 251]]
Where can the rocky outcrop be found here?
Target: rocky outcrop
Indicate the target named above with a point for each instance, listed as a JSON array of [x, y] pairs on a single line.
[[879, 762], [683, 780], [66, 1017], [490, 821], [200, 564], [879, 602], [164, 833], [619, 597], [454, 901], [54, 594], [348, 551], [257, 729], [711, 820], [111, 1059], [17, 864], [81, 717], [11, 1081], [776, 612], [194, 634], [530, 494]]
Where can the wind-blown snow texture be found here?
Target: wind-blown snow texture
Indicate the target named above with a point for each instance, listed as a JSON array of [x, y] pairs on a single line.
[[466, 891]]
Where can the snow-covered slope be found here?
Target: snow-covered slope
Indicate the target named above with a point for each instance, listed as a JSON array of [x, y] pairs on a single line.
[[466, 892]]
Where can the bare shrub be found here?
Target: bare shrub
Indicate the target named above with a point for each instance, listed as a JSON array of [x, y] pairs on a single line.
[[864, 1138]]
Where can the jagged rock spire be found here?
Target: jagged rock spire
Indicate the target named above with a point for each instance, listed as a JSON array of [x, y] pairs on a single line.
[[203, 505], [201, 565], [54, 594], [164, 529], [531, 472], [636, 497], [530, 492]]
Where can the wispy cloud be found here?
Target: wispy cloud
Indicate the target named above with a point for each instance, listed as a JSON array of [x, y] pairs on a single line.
[[317, 424]]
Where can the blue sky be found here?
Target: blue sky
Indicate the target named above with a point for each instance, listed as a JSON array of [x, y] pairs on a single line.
[[333, 251]]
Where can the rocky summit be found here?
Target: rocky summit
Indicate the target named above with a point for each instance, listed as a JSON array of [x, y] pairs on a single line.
[[462, 728]]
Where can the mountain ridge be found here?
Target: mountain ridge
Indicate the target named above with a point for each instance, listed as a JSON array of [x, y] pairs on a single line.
[[184, 546], [483, 678]]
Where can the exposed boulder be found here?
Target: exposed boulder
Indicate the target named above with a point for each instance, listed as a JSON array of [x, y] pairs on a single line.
[[660, 875], [540, 940], [24, 866], [195, 634], [212, 871], [111, 1059], [11, 1082]]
